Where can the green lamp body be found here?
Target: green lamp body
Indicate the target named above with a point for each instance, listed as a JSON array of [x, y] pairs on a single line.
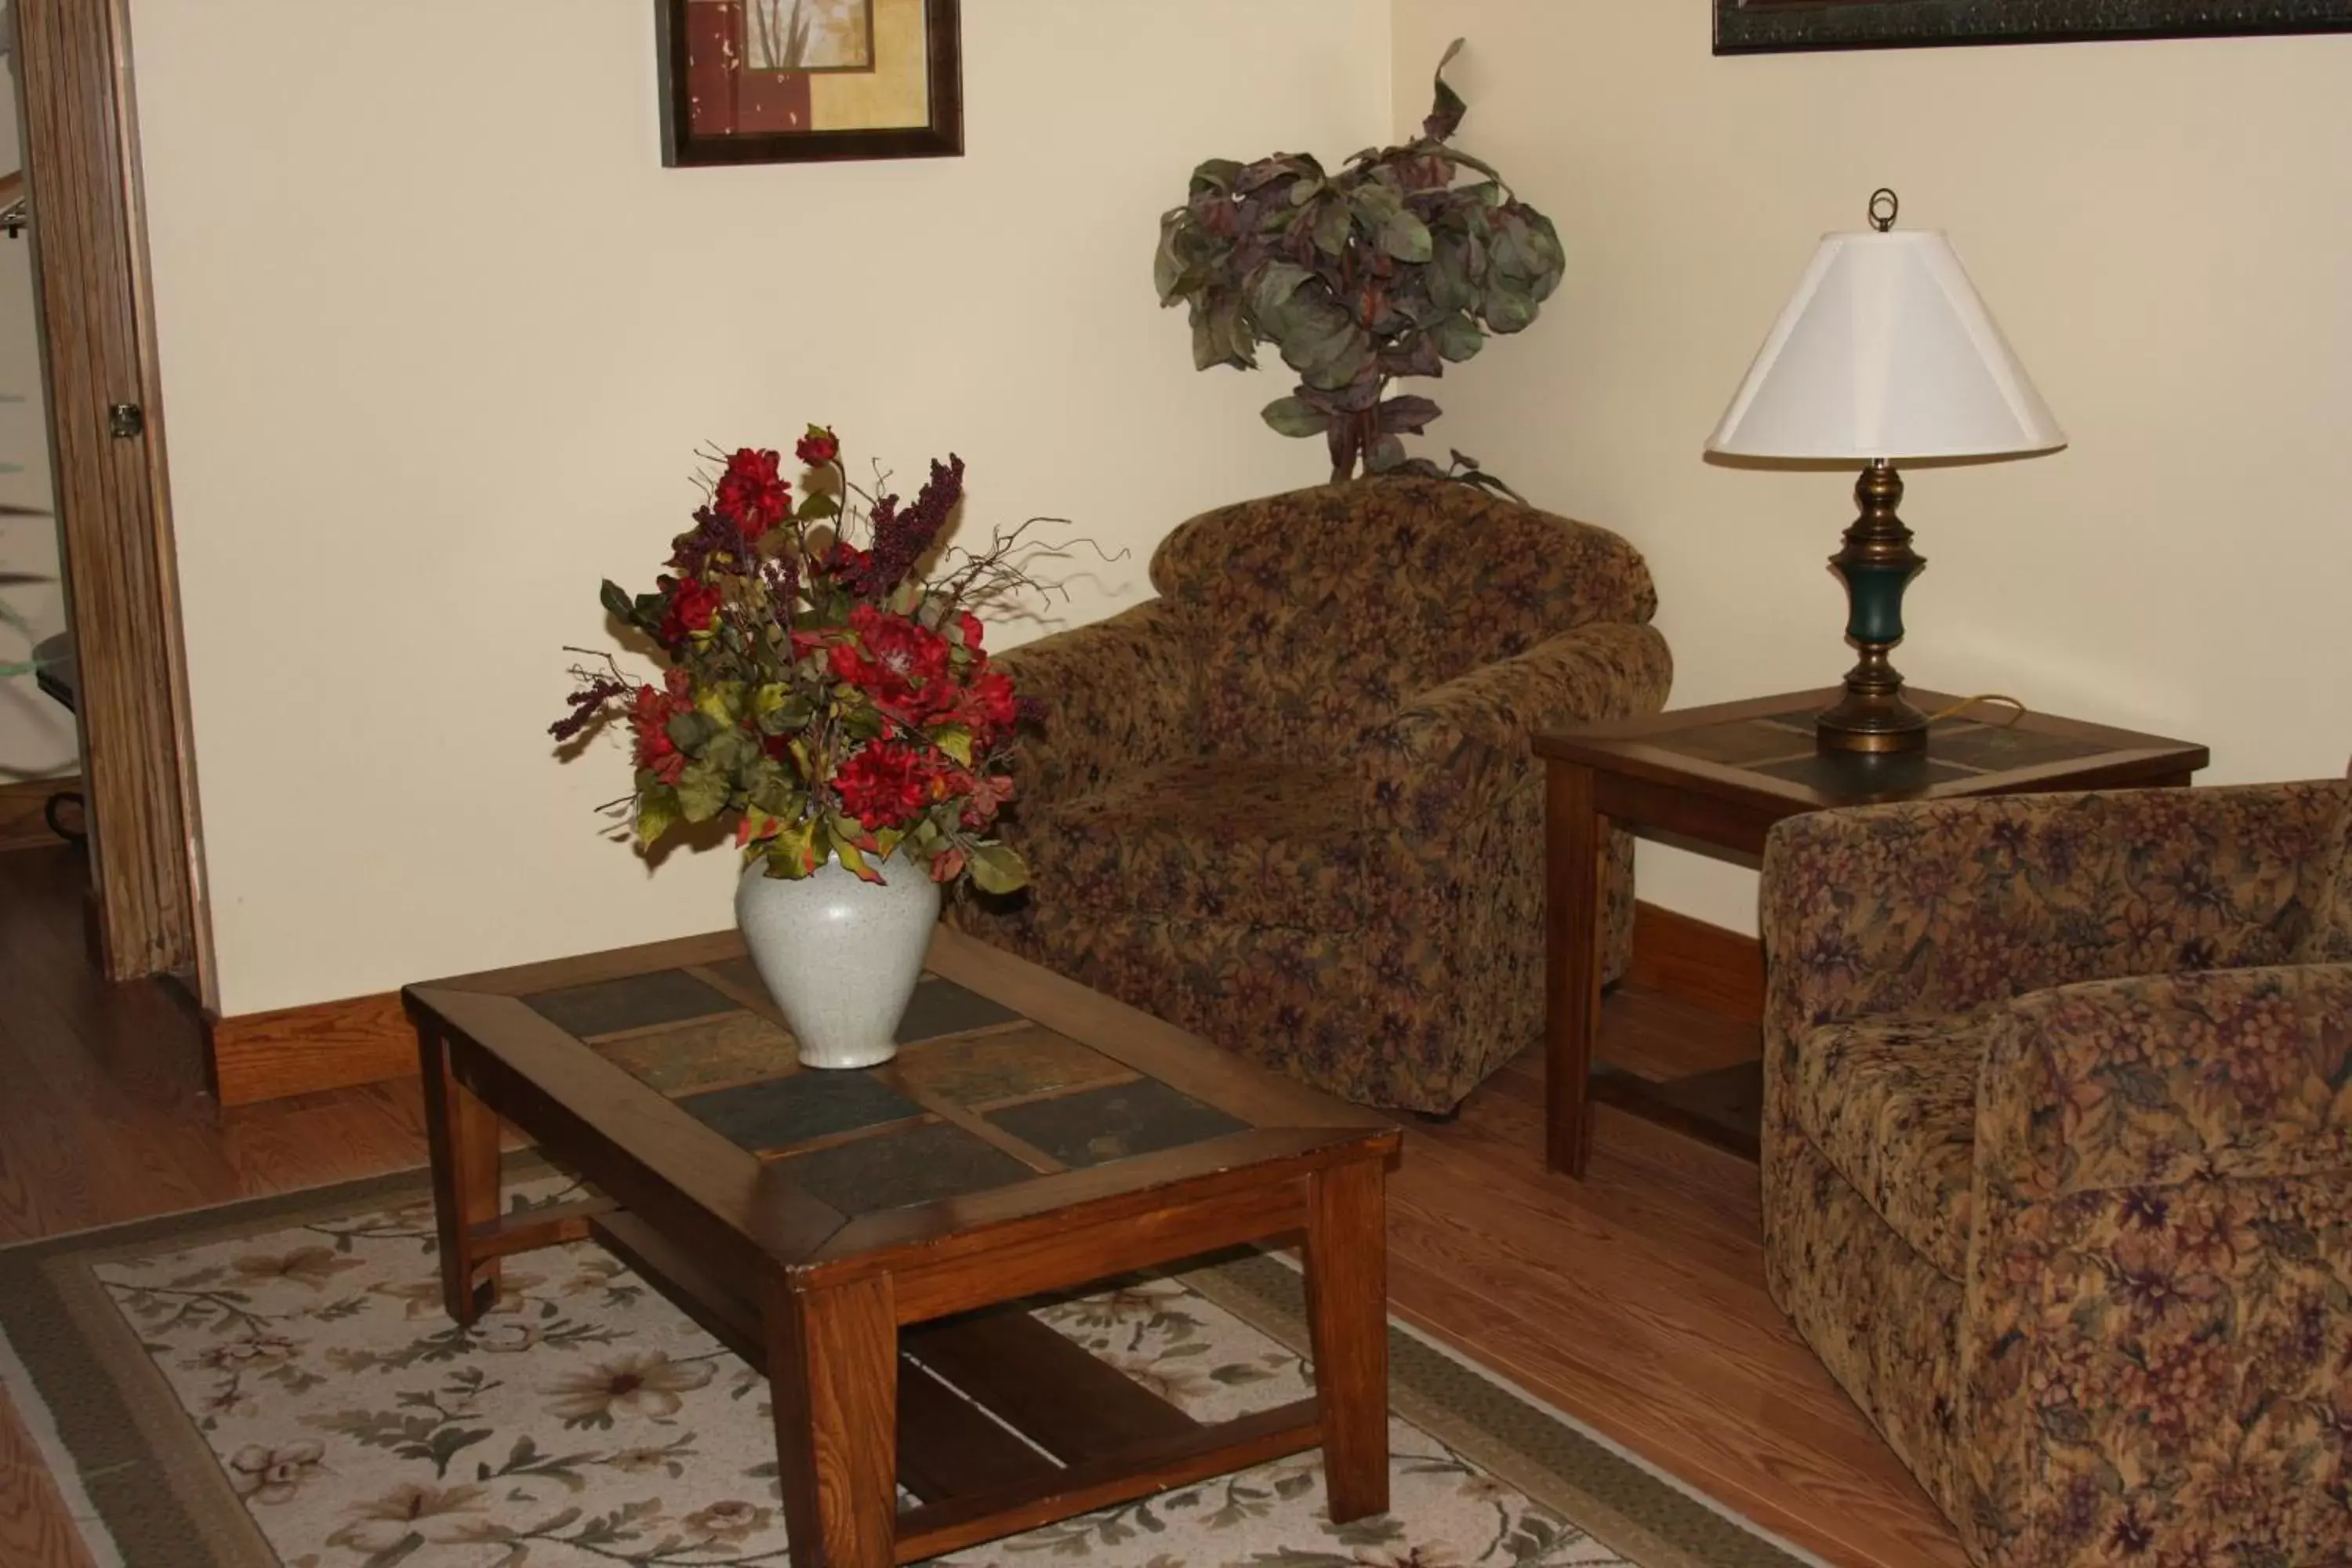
[[1876, 563]]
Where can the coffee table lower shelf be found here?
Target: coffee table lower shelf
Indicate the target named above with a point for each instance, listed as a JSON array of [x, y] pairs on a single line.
[[1003, 1424]]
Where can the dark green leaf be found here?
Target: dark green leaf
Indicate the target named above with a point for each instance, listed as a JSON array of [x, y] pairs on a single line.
[[1448, 277], [1457, 338], [616, 603], [1406, 237], [1407, 413], [701, 792], [1375, 203], [1445, 114], [1333, 223], [1219, 336], [1272, 287], [1504, 307], [1295, 417], [1216, 175]]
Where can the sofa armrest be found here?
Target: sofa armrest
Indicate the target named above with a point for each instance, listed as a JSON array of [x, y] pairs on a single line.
[[2155, 1266], [1939, 907], [1116, 694], [1458, 745], [2156, 1080]]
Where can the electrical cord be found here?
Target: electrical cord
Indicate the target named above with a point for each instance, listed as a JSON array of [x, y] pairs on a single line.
[[2016, 710]]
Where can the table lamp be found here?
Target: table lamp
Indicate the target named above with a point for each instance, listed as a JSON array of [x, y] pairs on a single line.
[[1885, 353]]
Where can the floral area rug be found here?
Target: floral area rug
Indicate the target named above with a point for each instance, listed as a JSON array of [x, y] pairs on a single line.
[[275, 1384]]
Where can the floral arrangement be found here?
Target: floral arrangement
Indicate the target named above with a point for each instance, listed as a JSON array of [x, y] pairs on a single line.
[[821, 694]]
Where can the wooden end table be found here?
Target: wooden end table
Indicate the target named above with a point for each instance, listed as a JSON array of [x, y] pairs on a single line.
[[1716, 779], [849, 1233]]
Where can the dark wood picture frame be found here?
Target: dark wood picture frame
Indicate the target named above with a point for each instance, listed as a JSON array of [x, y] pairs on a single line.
[[683, 146], [1766, 26]]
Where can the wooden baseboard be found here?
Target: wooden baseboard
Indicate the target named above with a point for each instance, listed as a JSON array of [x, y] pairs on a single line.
[[367, 1039], [1705, 964], [22, 803], [301, 1050]]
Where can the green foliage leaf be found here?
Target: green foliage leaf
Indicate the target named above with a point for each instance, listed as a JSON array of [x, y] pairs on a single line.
[[1216, 175], [1220, 335], [1446, 113], [1457, 338], [617, 602], [1505, 307], [1408, 413], [702, 792], [997, 868], [656, 814], [1376, 204], [792, 853], [1406, 237], [722, 700], [1384, 454], [1333, 223], [1297, 417], [955, 740], [817, 505], [852, 859], [1272, 287], [1450, 285]]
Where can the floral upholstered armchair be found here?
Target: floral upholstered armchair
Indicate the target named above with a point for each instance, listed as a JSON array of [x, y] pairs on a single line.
[[2058, 1159], [1289, 804]]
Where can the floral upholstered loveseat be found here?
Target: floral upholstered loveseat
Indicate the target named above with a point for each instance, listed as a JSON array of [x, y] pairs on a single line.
[[1289, 804], [2058, 1160]]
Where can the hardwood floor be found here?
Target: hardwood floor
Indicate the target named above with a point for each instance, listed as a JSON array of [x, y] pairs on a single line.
[[1634, 1301]]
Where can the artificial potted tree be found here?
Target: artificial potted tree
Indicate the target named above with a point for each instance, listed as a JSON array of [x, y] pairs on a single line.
[[1398, 264]]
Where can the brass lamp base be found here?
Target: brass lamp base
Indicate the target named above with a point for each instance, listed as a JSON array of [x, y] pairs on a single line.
[[1877, 564]]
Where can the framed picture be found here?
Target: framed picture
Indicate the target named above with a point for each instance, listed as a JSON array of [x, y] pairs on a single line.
[[1759, 27], [788, 81]]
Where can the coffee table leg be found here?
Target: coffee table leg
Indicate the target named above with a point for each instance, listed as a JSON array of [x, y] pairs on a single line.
[[463, 1134], [1575, 845], [833, 1374], [1346, 1308]]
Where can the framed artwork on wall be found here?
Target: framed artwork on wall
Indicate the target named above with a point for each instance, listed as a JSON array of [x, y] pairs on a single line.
[[789, 81], [1760, 26]]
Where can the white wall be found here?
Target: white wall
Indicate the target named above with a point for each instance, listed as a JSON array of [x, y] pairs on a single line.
[[439, 335], [36, 736], [2160, 228]]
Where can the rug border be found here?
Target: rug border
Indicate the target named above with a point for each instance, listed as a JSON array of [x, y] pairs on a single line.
[[1267, 1292], [1262, 1290]]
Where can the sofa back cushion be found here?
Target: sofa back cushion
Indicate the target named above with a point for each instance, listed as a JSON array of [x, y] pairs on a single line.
[[1318, 613], [2330, 941]]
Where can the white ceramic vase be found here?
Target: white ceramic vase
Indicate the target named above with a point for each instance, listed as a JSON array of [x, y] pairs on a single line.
[[841, 956]]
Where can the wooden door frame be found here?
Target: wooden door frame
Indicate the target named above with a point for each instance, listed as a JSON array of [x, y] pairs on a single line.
[[80, 139]]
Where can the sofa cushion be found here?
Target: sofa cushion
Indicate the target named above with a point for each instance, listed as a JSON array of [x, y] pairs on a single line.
[[2330, 941], [1891, 1103], [1247, 843]]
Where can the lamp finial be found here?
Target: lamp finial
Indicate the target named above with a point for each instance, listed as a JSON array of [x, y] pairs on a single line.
[[1883, 208]]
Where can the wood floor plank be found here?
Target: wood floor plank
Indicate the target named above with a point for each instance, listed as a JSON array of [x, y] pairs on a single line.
[[1633, 1300], [35, 1529]]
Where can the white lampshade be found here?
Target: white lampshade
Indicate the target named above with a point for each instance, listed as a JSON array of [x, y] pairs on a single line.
[[1885, 351]]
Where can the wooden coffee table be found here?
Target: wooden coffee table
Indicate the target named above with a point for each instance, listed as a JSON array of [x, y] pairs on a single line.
[[849, 1233], [1716, 779]]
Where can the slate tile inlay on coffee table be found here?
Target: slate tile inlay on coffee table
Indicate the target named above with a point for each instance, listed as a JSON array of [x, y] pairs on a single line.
[[840, 1230]]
